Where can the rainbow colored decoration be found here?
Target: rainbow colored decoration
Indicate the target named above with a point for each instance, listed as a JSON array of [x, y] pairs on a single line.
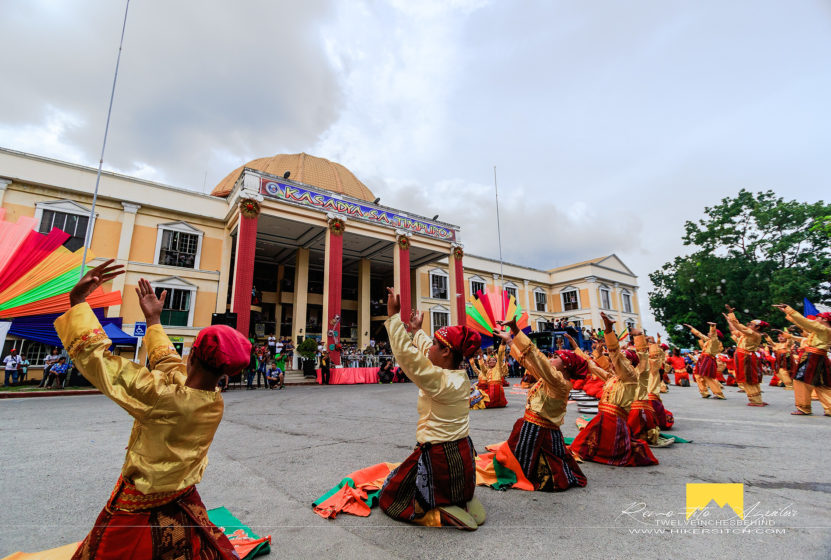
[[37, 272], [486, 308]]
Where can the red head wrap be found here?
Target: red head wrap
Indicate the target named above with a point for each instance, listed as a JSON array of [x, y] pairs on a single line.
[[576, 366], [825, 315], [222, 348], [664, 347], [460, 339], [761, 324], [632, 356], [718, 333]]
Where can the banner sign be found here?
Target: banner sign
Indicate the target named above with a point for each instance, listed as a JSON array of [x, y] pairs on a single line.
[[306, 197]]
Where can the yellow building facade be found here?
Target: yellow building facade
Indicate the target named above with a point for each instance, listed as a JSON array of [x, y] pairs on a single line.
[[294, 245]]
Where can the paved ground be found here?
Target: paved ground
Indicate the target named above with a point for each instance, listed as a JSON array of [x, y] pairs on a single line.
[[276, 451]]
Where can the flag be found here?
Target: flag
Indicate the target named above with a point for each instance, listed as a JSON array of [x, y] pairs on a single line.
[[623, 334], [809, 308]]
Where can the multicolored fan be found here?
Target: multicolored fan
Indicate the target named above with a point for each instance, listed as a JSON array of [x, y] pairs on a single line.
[[37, 272], [485, 309]]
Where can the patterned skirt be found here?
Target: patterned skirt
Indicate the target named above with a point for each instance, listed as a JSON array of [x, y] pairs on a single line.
[[496, 394], [747, 367], [662, 415], [784, 361], [437, 474], [606, 439], [543, 456], [815, 368], [706, 366], [641, 419], [163, 525]]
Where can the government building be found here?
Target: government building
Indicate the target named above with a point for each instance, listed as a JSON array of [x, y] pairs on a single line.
[[293, 245]]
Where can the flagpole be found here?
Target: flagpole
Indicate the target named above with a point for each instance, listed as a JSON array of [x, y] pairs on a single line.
[[88, 236], [498, 230]]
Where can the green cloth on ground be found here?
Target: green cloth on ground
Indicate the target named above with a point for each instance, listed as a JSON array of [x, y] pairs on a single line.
[[677, 439], [229, 524], [568, 440]]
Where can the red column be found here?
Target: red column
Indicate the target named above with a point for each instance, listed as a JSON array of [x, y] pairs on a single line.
[[244, 263], [335, 279], [461, 311], [404, 276]]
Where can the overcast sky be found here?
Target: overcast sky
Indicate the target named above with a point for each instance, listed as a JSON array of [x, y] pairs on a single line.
[[610, 123]]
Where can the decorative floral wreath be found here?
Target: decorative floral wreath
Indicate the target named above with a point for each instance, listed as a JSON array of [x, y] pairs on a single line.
[[336, 226], [249, 208], [403, 242], [458, 253]]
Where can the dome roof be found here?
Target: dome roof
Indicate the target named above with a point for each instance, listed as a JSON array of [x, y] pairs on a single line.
[[306, 169]]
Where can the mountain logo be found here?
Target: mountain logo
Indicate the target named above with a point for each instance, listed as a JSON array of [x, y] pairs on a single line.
[[699, 495]]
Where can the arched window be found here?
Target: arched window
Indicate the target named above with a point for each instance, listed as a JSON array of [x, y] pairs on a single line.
[[438, 284], [439, 317], [540, 300], [626, 301], [605, 297], [477, 284], [570, 298], [511, 288]]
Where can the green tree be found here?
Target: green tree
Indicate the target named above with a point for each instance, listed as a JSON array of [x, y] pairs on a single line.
[[752, 251]]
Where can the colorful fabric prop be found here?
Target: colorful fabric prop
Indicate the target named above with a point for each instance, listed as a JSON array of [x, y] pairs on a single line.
[[486, 308], [356, 493], [37, 272], [247, 543]]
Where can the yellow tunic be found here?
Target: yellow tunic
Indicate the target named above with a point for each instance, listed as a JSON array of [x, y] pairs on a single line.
[[174, 424], [444, 394], [710, 344], [548, 397], [621, 389], [749, 340], [821, 339]]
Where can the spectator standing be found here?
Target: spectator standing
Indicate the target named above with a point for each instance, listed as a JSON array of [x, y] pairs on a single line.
[[278, 347], [324, 369], [11, 363], [272, 345], [23, 368]]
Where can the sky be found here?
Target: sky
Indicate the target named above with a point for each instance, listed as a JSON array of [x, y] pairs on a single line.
[[609, 123]]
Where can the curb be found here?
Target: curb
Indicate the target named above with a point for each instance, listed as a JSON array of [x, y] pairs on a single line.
[[35, 394]]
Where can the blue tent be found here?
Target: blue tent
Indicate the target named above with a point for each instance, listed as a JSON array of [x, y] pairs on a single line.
[[39, 329]]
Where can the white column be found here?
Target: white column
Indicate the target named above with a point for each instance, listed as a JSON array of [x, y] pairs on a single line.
[[594, 306], [364, 303], [527, 286], [125, 241], [224, 272], [301, 292], [4, 183]]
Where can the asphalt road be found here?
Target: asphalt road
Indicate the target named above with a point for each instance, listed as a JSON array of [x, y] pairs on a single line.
[[276, 451]]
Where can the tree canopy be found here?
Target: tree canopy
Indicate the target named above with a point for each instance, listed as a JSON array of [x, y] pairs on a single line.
[[751, 251]]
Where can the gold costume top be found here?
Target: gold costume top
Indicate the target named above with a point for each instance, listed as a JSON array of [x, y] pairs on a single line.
[[174, 424], [821, 339], [780, 348], [710, 344], [657, 359], [621, 389], [548, 397], [444, 394], [750, 340]]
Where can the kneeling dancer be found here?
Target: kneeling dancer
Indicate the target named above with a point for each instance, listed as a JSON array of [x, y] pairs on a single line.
[[606, 439], [155, 510], [435, 484], [536, 440]]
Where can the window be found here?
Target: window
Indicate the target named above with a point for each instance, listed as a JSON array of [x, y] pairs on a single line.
[[178, 244], [438, 284], [476, 285], [73, 224], [511, 289], [630, 324], [627, 302], [543, 325], [540, 300], [439, 317], [605, 298], [177, 306], [178, 248], [571, 300]]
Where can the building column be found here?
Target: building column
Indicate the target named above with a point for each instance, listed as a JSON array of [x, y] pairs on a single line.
[[458, 312], [619, 299], [526, 285], [301, 295], [364, 303], [125, 241], [333, 287], [278, 302], [402, 272], [249, 209], [4, 183], [224, 272], [594, 303]]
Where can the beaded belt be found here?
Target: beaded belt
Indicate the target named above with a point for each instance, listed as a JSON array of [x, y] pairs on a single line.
[[126, 497], [612, 409], [534, 418]]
